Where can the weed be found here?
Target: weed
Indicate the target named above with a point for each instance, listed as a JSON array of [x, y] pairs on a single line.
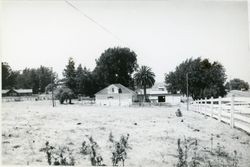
[[181, 156], [119, 153], [58, 155], [111, 137], [190, 154], [48, 150], [91, 149]]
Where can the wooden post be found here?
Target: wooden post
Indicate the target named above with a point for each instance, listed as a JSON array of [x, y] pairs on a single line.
[[232, 112], [198, 101], [220, 108], [196, 105], [205, 107], [212, 107]]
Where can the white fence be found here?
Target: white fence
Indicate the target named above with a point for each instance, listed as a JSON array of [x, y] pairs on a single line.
[[235, 110], [25, 98]]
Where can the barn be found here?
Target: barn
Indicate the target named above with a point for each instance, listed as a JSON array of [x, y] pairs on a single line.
[[115, 95]]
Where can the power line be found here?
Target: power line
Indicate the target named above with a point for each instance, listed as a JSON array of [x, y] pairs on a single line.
[[94, 21]]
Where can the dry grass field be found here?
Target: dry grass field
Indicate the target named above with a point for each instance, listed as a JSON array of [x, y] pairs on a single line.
[[153, 135]]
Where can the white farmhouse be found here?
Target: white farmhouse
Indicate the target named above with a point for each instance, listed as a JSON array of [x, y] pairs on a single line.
[[115, 95]]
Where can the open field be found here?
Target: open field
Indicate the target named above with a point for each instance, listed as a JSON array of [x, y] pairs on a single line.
[[153, 134]]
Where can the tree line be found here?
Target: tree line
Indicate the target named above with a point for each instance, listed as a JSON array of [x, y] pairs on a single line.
[[30, 78], [115, 65], [201, 78], [119, 65]]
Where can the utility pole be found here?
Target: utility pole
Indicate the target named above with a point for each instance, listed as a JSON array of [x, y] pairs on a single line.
[[52, 87], [187, 92]]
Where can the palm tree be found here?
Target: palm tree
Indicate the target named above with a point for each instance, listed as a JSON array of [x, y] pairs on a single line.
[[144, 78]]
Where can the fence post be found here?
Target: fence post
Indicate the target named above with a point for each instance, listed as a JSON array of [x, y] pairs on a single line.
[[198, 101], [195, 105], [205, 105], [212, 107], [220, 108], [232, 112]]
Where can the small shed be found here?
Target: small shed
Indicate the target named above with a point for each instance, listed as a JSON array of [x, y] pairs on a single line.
[[115, 95], [4, 91], [17, 92]]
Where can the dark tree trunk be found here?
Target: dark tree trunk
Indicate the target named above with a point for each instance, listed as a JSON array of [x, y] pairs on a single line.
[[145, 93]]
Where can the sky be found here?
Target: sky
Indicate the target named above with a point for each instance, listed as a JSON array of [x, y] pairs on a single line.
[[162, 33]]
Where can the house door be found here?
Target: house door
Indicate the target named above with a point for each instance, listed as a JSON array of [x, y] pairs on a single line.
[[161, 98]]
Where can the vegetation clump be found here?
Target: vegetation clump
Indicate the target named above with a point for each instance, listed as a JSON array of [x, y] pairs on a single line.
[[92, 149], [119, 149], [191, 154], [61, 156]]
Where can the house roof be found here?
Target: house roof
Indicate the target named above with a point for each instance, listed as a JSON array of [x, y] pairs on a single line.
[[17, 90], [23, 90], [4, 91], [124, 89]]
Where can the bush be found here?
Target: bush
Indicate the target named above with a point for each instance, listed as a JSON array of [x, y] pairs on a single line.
[[64, 94], [61, 156], [119, 153], [92, 149]]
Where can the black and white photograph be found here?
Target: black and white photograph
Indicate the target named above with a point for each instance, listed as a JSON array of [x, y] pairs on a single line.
[[128, 83]]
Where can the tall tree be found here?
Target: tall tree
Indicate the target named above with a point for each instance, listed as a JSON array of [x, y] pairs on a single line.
[[144, 78], [205, 79], [237, 84], [70, 75], [89, 83], [80, 77], [46, 76], [35, 79], [115, 65], [8, 76]]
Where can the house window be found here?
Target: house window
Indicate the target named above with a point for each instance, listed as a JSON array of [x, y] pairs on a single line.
[[113, 89], [161, 98], [119, 90], [161, 89]]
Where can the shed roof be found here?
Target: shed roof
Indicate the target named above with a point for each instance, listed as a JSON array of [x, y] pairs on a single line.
[[124, 89], [4, 91], [23, 90]]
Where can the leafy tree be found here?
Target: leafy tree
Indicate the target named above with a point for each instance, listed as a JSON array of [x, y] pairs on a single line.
[[80, 76], [70, 75], [144, 78], [49, 87], [237, 84], [8, 76], [205, 79], [89, 85], [85, 82], [64, 94], [115, 65], [46, 76], [35, 79]]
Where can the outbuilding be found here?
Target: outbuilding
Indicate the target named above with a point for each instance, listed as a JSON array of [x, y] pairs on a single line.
[[17, 92], [115, 95]]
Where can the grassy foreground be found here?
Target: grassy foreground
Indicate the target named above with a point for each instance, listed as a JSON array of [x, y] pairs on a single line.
[[156, 136]]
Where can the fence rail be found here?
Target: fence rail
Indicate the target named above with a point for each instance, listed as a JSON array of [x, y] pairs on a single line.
[[24, 98], [235, 110]]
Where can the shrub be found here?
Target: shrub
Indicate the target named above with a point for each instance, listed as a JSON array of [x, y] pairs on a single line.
[[190, 154], [64, 94], [119, 153], [92, 149], [61, 156]]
